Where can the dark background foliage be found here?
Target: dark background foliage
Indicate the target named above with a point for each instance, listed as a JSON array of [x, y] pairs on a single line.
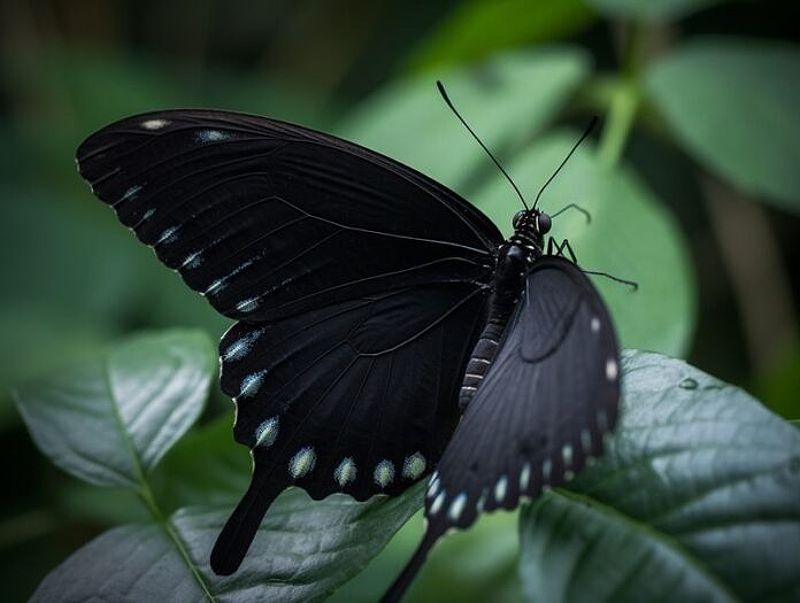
[[72, 281]]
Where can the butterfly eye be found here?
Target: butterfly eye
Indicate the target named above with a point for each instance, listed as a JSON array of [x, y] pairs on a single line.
[[517, 218], [543, 223]]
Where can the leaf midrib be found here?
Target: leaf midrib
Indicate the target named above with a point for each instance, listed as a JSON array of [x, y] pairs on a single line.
[[145, 492]]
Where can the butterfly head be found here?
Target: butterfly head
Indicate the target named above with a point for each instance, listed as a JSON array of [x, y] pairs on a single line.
[[530, 227]]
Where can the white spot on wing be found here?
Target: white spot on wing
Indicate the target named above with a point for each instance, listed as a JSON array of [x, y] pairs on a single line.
[[437, 503], [148, 214], [204, 136], [500, 489], [345, 472], [457, 507], [251, 383], [241, 347], [302, 462], [547, 469], [267, 432], [384, 473], [525, 477], [433, 487], [192, 261], [611, 369], [247, 305], [154, 124], [414, 466], [168, 236], [481, 502], [215, 287], [595, 324], [566, 454], [131, 193]]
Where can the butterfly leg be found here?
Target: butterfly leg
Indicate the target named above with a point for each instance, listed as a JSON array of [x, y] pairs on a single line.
[[560, 248]]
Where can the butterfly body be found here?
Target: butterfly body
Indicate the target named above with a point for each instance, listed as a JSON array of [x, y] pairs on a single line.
[[384, 327]]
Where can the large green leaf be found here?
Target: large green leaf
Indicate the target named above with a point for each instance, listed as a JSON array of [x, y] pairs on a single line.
[[631, 235], [506, 99], [303, 551], [732, 103], [697, 499], [476, 28], [109, 421], [649, 10]]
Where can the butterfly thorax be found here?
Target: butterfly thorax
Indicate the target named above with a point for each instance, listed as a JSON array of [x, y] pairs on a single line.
[[509, 280], [514, 258]]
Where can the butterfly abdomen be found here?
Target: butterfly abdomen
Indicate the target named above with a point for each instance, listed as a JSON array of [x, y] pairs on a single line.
[[508, 286]]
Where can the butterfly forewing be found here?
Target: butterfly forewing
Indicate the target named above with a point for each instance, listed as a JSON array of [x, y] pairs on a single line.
[[268, 219], [361, 286]]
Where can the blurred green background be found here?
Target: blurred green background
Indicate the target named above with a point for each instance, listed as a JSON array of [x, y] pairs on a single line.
[[700, 139]]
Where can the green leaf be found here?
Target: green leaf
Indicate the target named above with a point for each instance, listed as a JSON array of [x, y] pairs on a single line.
[[506, 99], [477, 28], [697, 499], [207, 467], [733, 105], [109, 421], [303, 551], [649, 10], [453, 570], [631, 236]]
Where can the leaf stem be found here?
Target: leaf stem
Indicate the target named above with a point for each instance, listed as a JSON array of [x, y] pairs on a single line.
[[621, 116], [149, 500]]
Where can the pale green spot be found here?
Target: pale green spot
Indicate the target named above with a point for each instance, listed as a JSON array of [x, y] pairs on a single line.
[[345, 472], [414, 466], [302, 462], [267, 432], [384, 473]]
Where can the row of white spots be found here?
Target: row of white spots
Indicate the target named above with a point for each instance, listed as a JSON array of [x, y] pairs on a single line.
[[305, 459], [500, 490], [612, 369], [204, 136], [154, 124], [241, 347]]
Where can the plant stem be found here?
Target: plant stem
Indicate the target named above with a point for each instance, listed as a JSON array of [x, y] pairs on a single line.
[[621, 116]]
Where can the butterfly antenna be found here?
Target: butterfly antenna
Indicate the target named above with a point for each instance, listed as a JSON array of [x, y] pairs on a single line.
[[446, 98], [586, 133]]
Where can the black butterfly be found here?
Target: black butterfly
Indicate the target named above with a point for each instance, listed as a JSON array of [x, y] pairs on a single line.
[[374, 307]]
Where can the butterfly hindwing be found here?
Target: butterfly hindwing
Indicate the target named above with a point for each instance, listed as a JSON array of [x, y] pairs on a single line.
[[360, 285], [542, 410], [347, 398]]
